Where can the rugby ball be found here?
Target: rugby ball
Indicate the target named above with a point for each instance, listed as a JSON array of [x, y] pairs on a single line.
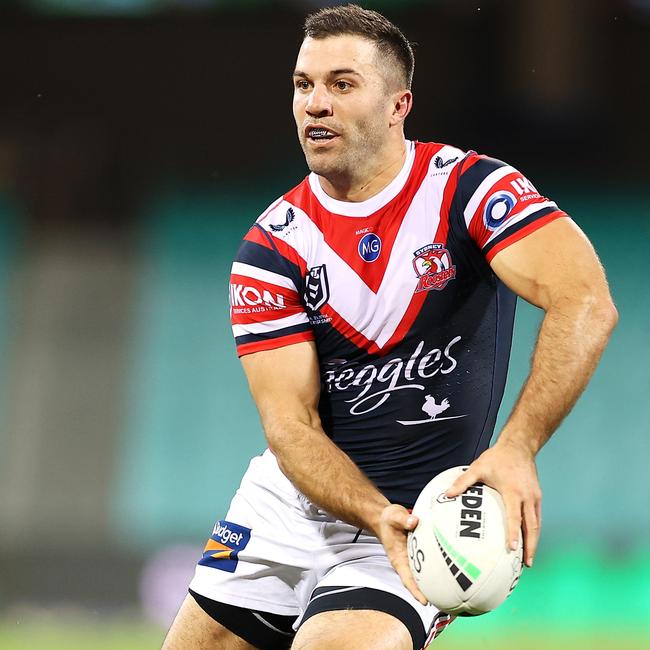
[[458, 552]]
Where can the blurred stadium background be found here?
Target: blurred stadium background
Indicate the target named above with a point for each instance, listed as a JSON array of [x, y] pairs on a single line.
[[138, 141]]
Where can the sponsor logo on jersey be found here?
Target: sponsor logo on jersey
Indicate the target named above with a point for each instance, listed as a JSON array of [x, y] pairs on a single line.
[[440, 163], [523, 187], [222, 549], [433, 410], [319, 319], [279, 227], [433, 266], [374, 386], [497, 209], [369, 247], [317, 288], [246, 299]]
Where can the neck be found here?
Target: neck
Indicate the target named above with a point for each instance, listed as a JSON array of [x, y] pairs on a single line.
[[361, 185]]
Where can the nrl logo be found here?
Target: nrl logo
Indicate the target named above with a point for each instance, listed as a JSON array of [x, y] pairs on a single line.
[[433, 266], [317, 290]]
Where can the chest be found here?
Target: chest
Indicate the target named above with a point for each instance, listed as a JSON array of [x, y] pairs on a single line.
[[369, 278]]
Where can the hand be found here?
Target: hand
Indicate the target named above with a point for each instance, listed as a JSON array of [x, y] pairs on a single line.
[[394, 524], [509, 468]]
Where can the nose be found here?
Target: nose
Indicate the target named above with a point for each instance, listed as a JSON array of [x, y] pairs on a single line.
[[318, 103]]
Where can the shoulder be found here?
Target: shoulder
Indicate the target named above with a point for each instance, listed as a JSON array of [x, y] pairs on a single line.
[[498, 204], [439, 155], [281, 214], [478, 168], [277, 237]]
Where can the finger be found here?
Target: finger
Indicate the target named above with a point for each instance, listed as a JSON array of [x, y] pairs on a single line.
[[404, 572], [513, 506], [400, 518], [411, 522], [531, 528], [412, 586], [395, 546], [464, 481]]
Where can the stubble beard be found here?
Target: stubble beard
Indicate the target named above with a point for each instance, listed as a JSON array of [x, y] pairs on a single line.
[[354, 161]]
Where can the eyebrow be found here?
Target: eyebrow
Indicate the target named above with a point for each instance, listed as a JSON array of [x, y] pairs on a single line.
[[331, 73]]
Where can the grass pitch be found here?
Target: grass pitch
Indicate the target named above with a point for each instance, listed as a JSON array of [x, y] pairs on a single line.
[[33, 634]]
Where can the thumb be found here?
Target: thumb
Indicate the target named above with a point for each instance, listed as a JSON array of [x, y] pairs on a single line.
[[411, 522], [399, 517]]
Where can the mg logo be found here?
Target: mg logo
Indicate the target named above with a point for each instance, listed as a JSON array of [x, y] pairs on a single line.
[[369, 247]]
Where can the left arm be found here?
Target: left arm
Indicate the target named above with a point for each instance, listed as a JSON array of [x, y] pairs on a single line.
[[557, 269]]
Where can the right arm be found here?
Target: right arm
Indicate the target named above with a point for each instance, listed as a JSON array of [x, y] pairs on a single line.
[[285, 384]]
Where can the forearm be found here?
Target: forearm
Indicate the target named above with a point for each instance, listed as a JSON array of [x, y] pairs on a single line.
[[570, 342], [324, 473]]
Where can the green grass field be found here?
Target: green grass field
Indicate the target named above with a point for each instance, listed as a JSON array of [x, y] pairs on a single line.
[[577, 600], [80, 635], [541, 642]]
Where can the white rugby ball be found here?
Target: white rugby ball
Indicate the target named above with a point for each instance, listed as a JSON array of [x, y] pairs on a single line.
[[458, 552]]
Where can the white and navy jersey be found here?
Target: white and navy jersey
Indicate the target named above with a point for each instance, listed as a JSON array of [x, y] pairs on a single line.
[[412, 327]]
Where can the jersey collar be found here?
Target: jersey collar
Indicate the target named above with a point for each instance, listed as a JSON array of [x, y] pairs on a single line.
[[374, 203]]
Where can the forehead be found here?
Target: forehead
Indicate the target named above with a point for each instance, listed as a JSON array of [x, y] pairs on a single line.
[[320, 55]]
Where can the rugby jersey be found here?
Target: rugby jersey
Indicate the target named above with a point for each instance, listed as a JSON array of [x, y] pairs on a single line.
[[412, 327]]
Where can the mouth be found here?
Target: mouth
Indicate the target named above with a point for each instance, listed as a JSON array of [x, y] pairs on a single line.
[[319, 134]]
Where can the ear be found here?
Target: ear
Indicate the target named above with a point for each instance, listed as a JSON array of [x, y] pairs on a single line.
[[402, 104]]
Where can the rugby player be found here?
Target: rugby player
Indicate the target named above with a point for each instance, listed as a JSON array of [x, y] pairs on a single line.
[[372, 307]]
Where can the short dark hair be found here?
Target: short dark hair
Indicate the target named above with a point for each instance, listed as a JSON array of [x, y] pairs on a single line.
[[353, 19]]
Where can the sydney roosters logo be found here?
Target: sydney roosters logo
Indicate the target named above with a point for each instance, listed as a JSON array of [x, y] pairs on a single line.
[[433, 266]]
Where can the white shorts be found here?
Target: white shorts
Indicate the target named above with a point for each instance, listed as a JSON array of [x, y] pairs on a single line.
[[277, 552]]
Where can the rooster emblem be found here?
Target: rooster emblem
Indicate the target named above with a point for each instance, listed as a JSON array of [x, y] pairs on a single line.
[[432, 409], [433, 266]]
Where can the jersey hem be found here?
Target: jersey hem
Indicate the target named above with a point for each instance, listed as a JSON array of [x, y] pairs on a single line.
[[273, 344], [525, 231]]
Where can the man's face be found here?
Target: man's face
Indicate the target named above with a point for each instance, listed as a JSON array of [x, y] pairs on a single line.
[[341, 104]]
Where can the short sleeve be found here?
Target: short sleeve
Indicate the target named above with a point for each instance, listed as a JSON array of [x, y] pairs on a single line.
[[266, 310], [500, 205]]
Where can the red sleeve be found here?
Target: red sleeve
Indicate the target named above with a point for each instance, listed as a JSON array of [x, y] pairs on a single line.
[[500, 205], [266, 308]]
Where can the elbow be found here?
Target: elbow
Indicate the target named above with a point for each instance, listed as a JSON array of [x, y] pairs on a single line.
[[286, 429], [604, 315], [593, 309], [609, 313]]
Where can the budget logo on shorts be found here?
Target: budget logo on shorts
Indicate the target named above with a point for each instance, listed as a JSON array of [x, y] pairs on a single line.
[[317, 289], [432, 264], [225, 543]]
